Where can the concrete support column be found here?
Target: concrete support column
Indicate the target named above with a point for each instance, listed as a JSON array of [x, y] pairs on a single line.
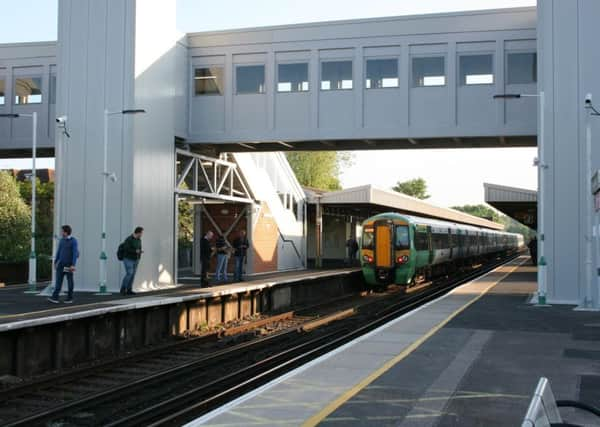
[[567, 71], [197, 237], [111, 57], [319, 234]]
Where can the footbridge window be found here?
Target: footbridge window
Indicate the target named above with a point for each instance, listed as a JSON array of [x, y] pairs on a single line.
[[522, 68], [429, 71], [292, 78], [28, 90], [250, 79], [2, 91], [382, 73], [476, 70], [52, 89], [336, 75], [208, 81]]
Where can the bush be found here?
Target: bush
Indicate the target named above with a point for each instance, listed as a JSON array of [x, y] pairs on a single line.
[[15, 221]]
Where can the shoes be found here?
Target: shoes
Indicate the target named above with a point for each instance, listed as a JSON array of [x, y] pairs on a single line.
[[123, 292], [53, 301], [68, 301], [130, 293]]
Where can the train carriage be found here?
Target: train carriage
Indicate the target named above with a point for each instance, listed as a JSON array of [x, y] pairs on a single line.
[[404, 249]]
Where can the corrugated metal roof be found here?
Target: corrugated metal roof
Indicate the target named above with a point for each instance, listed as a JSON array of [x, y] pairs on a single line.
[[502, 193], [368, 194]]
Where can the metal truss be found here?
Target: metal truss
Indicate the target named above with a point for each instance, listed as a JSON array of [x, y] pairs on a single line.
[[209, 178]]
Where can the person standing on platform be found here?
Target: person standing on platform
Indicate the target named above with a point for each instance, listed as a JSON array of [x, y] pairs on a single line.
[[352, 248], [205, 254], [132, 252], [64, 262], [222, 258], [240, 245], [533, 250]]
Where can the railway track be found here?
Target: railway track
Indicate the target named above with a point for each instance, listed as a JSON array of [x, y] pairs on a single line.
[[175, 387]]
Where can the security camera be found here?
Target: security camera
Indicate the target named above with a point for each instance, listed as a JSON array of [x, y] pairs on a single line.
[[113, 177], [61, 119], [588, 99]]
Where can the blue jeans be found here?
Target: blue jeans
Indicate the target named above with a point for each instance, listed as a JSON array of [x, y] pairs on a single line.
[[222, 267], [60, 274], [239, 263], [130, 269]]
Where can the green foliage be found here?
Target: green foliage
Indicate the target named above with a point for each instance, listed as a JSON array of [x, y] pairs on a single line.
[[319, 169], [186, 224], [14, 221], [44, 223], [413, 187], [481, 211], [510, 224]]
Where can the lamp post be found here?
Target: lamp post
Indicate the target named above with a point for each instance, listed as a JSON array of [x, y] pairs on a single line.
[[59, 179], [32, 281], [113, 177], [542, 166], [588, 302]]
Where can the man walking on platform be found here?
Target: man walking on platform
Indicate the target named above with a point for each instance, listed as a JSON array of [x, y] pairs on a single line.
[[240, 244], [64, 262], [132, 252], [205, 254]]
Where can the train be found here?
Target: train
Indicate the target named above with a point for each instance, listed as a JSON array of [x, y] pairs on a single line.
[[406, 250]]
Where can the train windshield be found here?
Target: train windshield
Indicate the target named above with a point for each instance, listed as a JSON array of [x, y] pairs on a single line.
[[368, 238], [402, 238]]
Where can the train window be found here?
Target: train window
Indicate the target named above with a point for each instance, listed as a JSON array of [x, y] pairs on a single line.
[[368, 238], [402, 239], [421, 241]]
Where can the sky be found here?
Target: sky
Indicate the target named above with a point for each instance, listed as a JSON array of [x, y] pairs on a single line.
[[454, 177]]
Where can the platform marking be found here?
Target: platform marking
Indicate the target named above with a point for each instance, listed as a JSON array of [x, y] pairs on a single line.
[[332, 406]]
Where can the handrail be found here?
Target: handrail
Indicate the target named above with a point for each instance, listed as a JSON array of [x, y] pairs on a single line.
[[284, 240]]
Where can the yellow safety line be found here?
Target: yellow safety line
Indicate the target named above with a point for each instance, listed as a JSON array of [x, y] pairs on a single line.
[[332, 406]]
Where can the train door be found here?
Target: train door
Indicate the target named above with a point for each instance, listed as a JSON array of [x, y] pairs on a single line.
[[430, 245], [383, 245]]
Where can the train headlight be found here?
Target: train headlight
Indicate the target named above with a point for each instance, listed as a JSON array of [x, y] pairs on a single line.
[[367, 258], [402, 259]]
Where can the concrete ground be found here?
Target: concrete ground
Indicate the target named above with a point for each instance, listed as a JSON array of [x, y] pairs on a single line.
[[472, 358]]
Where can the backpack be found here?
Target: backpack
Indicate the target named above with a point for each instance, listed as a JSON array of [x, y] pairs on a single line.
[[121, 251]]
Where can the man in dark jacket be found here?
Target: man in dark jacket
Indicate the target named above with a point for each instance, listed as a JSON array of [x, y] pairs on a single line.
[[205, 254], [240, 245], [64, 262], [533, 250], [132, 252]]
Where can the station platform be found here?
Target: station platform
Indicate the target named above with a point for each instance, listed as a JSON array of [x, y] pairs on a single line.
[[18, 309], [470, 358], [38, 337]]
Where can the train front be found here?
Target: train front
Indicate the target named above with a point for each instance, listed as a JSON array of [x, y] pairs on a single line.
[[386, 251]]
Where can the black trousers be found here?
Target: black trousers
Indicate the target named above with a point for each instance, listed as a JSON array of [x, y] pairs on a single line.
[[205, 265]]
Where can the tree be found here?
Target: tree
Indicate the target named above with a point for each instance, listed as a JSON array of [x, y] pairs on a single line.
[[481, 211], [413, 187], [510, 225], [14, 221], [44, 223], [319, 169]]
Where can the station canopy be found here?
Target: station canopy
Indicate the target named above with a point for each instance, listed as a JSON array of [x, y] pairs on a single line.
[[367, 200], [518, 203]]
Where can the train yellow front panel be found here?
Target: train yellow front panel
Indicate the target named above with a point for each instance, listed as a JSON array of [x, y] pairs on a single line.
[[383, 239]]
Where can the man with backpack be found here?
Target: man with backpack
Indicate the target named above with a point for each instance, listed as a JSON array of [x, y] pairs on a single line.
[[130, 252], [240, 244]]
